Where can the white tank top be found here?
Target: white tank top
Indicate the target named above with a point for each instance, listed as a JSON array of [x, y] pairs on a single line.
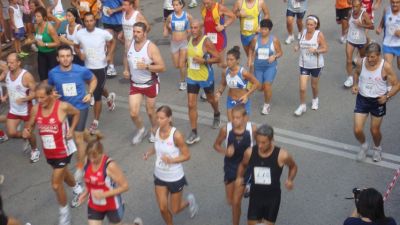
[[310, 60], [167, 172], [17, 90], [58, 9], [127, 25], [356, 34], [229, 127], [392, 23], [139, 78], [370, 83], [17, 17], [72, 37]]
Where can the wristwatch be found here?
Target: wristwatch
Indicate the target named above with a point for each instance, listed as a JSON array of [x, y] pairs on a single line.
[[46, 44]]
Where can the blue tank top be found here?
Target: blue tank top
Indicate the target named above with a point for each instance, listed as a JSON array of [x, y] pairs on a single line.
[[264, 51], [179, 23], [236, 81]]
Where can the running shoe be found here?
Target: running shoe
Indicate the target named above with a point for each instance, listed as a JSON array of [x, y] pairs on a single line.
[[266, 109], [182, 86], [216, 122], [1, 179], [203, 96], [78, 175], [289, 39], [76, 193], [35, 155], [140, 135], [65, 217], [349, 82], [298, 36], [193, 207], [300, 110], [152, 138], [137, 221], [343, 39], [111, 101], [377, 154], [192, 4], [193, 138], [362, 154], [315, 104], [3, 137], [94, 126], [92, 101], [111, 71]]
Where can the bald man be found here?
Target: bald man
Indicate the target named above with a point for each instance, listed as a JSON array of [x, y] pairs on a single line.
[[20, 91]]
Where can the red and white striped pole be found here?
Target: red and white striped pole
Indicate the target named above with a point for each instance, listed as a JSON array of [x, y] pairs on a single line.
[[391, 184]]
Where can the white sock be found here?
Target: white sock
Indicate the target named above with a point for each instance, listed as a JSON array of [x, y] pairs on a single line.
[[64, 209], [303, 105], [96, 122], [141, 130], [364, 145]]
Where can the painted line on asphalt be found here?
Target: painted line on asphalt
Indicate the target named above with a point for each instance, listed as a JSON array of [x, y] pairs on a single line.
[[285, 136]]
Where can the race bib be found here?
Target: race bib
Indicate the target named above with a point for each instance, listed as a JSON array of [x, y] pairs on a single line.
[[192, 64], [128, 32], [179, 25], [71, 147], [248, 25], [392, 29], [134, 61], [69, 89], [263, 53], [262, 175], [213, 37], [48, 142], [91, 54], [161, 165], [85, 6], [232, 83], [355, 34], [296, 4], [38, 37], [14, 95], [98, 201]]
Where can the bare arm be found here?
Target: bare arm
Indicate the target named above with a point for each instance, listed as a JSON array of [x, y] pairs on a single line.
[[367, 23], [264, 9], [183, 148], [74, 112], [158, 65], [28, 128], [242, 168], [228, 13], [323, 46], [220, 139], [166, 27], [356, 74], [29, 81], [92, 86], [255, 83], [252, 53], [381, 23], [392, 80], [142, 18], [116, 174], [54, 36], [51, 17], [288, 161], [210, 49]]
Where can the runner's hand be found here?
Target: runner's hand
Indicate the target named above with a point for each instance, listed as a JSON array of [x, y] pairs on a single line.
[[166, 159], [354, 89], [243, 99], [382, 99], [397, 33], [82, 198], [289, 184], [126, 74], [141, 65], [271, 59], [219, 28], [87, 98], [70, 134], [230, 150], [378, 30], [19, 101], [199, 60], [26, 133], [98, 194]]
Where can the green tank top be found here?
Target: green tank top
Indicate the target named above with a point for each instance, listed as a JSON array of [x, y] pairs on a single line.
[[46, 38]]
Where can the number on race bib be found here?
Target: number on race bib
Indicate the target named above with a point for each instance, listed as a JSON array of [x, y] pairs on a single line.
[[263, 53], [179, 25], [262, 175], [213, 37], [48, 142], [69, 89], [296, 4], [248, 25], [161, 165], [192, 64]]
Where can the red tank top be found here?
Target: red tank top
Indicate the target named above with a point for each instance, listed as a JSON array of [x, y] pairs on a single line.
[[210, 24], [367, 5], [52, 131], [98, 180]]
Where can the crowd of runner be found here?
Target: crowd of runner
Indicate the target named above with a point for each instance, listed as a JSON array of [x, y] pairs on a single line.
[[75, 54]]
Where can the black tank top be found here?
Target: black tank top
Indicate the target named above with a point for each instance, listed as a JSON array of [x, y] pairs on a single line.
[[265, 173], [240, 143]]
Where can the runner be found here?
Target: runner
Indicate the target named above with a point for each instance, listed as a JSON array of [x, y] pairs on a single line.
[[238, 81], [105, 182], [370, 6], [50, 115], [391, 39], [249, 13], [145, 62], [70, 82], [21, 91], [265, 161], [356, 38], [112, 22], [201, 54], [129, 17], [168, 9], [17, 25], [343, 8], [93, 42], [265, 49], [57, 10], [178, 24], [74, 24], [295, 8], [238, 136], [375, 83], [311, 61], [169, 179]]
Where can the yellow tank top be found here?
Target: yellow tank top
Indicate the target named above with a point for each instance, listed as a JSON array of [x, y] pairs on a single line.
[[196, 72], [249, 24]]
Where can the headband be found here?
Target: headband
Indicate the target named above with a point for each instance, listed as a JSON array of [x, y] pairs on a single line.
[[313, 18]]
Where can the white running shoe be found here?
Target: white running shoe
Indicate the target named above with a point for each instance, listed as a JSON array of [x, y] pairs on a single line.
[[193, 4], [343, 39], [193, 138], [377, 154], [152, 137], [111, 71], [111, 101], [140, 135], [137, 221], [203, 96], [349, 82], [362, 154], [78, 175], [315, 104], [300, 110], [298, 36], [193, 207], [76, 193], [266, 109], [35, 155], [289, 39], [65, 217], [182, 86]]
